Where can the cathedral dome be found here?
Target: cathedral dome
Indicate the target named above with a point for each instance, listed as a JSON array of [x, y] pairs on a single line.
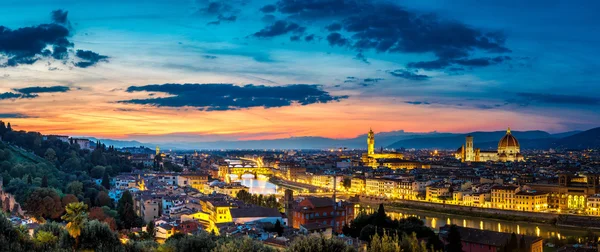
[[508, 141]]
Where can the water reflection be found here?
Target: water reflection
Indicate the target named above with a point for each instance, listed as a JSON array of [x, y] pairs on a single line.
[[257, 185], [436, 220]]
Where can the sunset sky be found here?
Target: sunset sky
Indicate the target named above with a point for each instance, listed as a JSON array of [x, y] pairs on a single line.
[[201, 70]]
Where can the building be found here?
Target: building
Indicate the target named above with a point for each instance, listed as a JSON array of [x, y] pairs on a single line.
[[370, 158], [437, 192], [571, 192], [531, 201], [149, 207], [193, 180], [503, 196], [477, 240], [508, 150], [321, 210], [593, 205], [83, 143]]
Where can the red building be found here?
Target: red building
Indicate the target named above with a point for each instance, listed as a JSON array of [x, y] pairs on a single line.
[[321, 210], [476, 240]]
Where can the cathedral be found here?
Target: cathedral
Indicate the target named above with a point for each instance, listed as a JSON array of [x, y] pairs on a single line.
[[508, 151], [370, 158]]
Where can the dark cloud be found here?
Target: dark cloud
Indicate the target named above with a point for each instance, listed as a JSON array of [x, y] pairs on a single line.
[[402, 73], [527, 98], [336, 39], [37, 90], [360, 56], [279, 28], [27, 45], [91, 58], [309, 38], [211, 97], [10, 95], [268, 8], [222, 10], [386, 27], [231, 18], [209, 56], [295, 38], [60, 17], [334, 27], [417, 102], [13, 115], [373, 79]]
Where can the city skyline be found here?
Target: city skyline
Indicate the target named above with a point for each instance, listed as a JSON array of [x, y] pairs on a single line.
[[248, 70]]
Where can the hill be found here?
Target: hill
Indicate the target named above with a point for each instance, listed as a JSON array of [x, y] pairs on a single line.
[[583, 140], [483, 140]]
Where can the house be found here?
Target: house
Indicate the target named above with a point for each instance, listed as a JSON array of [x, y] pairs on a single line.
[[321, 210]]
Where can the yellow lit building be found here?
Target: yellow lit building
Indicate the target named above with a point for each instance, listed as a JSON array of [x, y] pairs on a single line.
[[374, 187], [503, 196], [370, 158], [195, 181], [434, 193], [593, 205], [531, 201], [509, 150], [358, 185]]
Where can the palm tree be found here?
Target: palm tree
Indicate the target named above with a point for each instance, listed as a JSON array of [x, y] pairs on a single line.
[[76, 215]]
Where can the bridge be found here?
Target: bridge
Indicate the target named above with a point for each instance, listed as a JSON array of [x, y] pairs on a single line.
[[247, 166]]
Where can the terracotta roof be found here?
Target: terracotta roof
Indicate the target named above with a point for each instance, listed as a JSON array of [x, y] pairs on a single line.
[[255, 211]]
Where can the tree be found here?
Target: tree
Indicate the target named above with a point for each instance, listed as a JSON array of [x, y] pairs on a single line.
[[75, 188], [103, 200], [185, 161], [151, 229], [347, 183], [98, 236], [522, 244], [513, 243], [76, 217], [50, 155], [97, 172], [106, 181], [313, 243], [278, 228], [68, 199], [44, 203], [46, 240], [29, 181], [241, 245], [201, 242], [380, 217], [127, 215], [44, 181], [385, 243], [454, 240]]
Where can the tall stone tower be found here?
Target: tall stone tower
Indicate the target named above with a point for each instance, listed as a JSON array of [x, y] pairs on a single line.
[[288, 203], [469, 153], [371, 143]]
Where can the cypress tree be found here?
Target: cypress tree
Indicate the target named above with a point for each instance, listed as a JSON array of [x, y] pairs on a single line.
[[106, 181], [44, 181]]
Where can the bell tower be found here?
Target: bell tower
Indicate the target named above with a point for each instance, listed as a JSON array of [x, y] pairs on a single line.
[[469, 153], [371, 142]]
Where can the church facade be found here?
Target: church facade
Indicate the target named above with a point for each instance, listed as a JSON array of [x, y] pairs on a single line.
[[509, 150]]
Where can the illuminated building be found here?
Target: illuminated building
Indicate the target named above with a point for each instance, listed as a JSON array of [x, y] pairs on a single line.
[[503, 196], [509, 150], [195, 181], [531, 201], [436, 192], [357, 185], [571, 192], [593, 205], [320, 210], [371, 158]]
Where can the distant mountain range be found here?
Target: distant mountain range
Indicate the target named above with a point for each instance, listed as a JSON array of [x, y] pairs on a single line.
[[395, 139]]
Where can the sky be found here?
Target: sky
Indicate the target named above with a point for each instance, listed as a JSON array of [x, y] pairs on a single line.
[[210, 70]]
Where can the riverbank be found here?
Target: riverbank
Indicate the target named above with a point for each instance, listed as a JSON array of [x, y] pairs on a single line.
[[567, 221]]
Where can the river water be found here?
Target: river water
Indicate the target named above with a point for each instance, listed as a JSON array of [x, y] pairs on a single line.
[[260, 185], [436, 220]]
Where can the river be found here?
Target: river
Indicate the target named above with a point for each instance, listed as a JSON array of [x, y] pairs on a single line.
[[436, 220], [260, 185]]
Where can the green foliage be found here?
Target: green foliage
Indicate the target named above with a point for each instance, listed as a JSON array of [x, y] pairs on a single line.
[[241, 245], [151, 229], [103, 200], [201, 242], [106, 181], [314, 243], [127, 216], [76, 217], [258, 199], [98, 236]]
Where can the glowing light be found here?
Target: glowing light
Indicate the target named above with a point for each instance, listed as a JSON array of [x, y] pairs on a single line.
[[518, 229], [499, 227], [537, 231], [448, 221], [464, 223], [481, 225]]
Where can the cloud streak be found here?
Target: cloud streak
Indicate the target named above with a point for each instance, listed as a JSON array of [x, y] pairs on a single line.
[[219, 97]]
